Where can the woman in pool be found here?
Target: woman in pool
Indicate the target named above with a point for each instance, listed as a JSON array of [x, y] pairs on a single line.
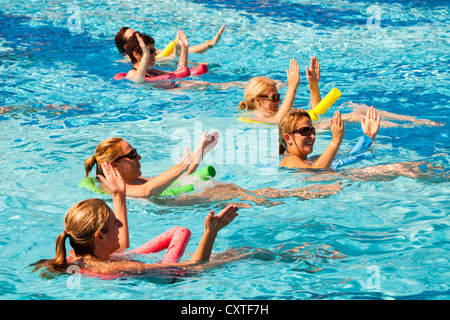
[[142, 52], [125, 158], [125, 33], [297, 137], [262, 97], [99, 235]]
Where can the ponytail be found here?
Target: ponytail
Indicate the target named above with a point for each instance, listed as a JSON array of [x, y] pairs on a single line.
[[242, 105], [89, 164], [281, 146], [59, 263]]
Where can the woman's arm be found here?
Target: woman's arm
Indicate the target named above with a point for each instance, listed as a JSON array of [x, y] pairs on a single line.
[[116, 186], [213, 224], [183, 43], [293, 79], [156, 185], [207, 143], [201, 48], [139, 74], [313, 76], [338, 131]]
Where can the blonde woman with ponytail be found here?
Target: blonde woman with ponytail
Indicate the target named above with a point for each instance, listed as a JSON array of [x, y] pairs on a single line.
[[98, 236], [262, 98]]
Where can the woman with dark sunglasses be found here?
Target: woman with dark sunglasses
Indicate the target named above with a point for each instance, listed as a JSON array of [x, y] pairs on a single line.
[[126, 159], [297, 137], [262, 97], [142, 52]]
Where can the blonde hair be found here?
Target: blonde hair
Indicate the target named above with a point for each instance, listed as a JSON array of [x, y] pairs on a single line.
[[81, 223], [287, 124], [257, 86], [107, 151]]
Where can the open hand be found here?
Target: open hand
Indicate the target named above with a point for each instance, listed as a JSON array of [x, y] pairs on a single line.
[[215, 223], [208, 141], [216, 38], [112, 179], [371, 123], [313, 73], [145, 50], [182, 40], [337, 127], [293, 74], [185, 160]]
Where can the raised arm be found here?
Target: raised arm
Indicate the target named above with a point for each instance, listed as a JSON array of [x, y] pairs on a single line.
[[139, 74], [156, 185], [183, 44], [213, 224], [338, 131], [207, 143], [116, 186], [313, 76], [201, 48], [293, 79]]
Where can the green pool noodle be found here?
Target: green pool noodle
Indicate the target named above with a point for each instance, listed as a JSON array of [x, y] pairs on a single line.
[[89, 183], [204, 173]]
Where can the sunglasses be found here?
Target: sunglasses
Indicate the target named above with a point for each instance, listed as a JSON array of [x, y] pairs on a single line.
[[305, 131], [131, 155], [275, 98]]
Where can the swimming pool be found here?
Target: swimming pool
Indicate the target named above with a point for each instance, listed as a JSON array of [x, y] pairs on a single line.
[[375, 239]]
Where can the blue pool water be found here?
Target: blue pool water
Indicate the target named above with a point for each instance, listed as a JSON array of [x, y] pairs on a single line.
[[384, 238]]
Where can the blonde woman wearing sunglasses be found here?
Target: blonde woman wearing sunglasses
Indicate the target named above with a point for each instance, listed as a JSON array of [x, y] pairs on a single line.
[[262, 97]]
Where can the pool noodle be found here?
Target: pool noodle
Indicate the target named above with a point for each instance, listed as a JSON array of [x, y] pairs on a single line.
[[174, 240], [168, 50], [204, 174], [325, 104], [173, 76]]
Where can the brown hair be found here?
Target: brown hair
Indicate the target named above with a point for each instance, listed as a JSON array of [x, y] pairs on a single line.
[[134, 46], [120, 40], [257, 86], [287, 124], [81, 223], [107, 151]]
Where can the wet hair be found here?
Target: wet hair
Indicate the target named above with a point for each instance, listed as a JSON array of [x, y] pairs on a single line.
[[287, 124], [257, 86], [107, 151], [81, 223], [120, 40], [134, 46]]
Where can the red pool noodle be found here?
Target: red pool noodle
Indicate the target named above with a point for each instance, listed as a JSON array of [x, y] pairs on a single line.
[[176, 75], [174, 240]]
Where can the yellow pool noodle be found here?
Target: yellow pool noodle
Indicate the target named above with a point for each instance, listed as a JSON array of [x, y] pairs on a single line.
[[168, 50], [325, 104]]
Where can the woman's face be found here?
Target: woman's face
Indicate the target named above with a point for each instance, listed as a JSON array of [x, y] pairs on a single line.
[[269, 101], [301, 145], [128, 164], [112, 235], [152, 59]]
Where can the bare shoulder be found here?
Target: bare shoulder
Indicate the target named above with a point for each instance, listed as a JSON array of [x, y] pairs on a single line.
[[292, 161]]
